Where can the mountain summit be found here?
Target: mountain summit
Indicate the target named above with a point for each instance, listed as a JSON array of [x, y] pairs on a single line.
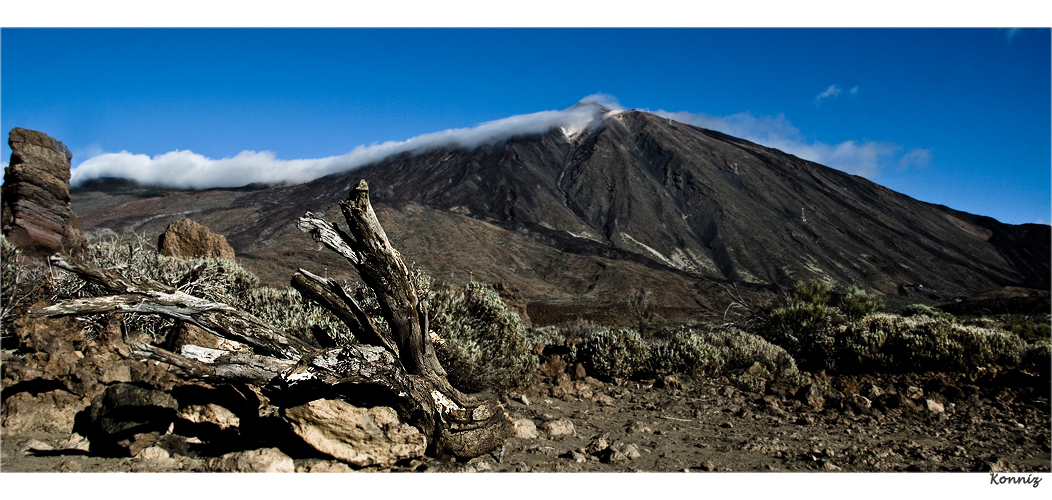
[[629, 199]]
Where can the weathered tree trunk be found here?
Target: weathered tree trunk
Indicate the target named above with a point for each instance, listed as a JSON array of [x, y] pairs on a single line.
[[401, 361]]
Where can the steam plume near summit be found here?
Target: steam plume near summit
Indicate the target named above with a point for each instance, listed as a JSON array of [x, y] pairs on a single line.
[[184, 169]]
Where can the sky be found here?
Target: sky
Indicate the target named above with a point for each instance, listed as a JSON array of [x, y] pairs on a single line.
[[955, 116]]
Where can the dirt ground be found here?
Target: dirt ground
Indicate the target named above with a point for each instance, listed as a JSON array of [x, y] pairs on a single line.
[[709, 425]]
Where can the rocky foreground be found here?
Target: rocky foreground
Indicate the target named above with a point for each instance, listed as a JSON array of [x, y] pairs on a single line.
[[71, 404]]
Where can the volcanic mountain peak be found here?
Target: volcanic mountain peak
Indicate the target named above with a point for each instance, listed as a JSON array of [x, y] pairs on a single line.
[[606, 199]]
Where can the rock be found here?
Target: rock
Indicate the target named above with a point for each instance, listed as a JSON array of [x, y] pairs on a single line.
[[76, 442], [261, 460], [188, 334], [153, 453], [579, 373], [210, 413], [597, 445], [632, 451], [52, 412], [514, 300], [188, 239], [37, 445], [327, 466], [552, 367], [603, 400], [136, 443], [612, 456], [812, 395], [559, 427], [582, 389], [914, 392], [830, 466], [639, 428], [675, 382], [36, 212], [68, 466], [933, 406], [576, 456], [594, 383], [874, 392], [125, 416], [525, 429], [358, 436], [707, 465]]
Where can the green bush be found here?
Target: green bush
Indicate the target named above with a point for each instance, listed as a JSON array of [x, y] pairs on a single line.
[[885, 342], [721, 351], [482, 345], [1030, 329], [923, 310], [813, 292], [614, 353], [288, 310], [858, 304], [1038, 357]]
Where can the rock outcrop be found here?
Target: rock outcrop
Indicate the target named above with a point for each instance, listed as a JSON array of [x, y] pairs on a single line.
[[188, 239], [36, 212], [359, 436]]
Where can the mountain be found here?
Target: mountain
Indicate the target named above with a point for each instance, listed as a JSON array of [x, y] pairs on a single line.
[[574, 218]]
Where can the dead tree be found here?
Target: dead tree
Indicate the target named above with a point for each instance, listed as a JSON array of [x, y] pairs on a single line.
[[400, 360]]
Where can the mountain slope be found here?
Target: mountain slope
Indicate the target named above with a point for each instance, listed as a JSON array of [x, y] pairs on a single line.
[[632, 200]]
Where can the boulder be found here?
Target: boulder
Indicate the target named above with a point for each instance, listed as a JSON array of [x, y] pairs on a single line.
[[51, 412], [261, 460], [210, 413], [560, 427], [126, 419], [37, 216], [189, 240], [359, 436], [525, 429]]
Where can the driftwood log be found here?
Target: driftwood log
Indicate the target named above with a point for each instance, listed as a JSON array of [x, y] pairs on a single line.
[[399, 363]]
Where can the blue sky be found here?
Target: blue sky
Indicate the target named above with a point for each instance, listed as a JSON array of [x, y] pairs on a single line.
[[954, 116]]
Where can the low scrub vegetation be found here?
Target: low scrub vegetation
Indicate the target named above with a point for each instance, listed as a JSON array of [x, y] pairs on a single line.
[[481, 343], [485, 347]]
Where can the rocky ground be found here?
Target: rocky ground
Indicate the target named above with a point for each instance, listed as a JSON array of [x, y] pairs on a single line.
[[989, 420]]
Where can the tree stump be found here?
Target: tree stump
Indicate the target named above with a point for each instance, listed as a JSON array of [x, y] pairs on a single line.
[[396, 367]]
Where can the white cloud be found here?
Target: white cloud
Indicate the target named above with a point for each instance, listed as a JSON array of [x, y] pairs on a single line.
[[606, 100], [1011, 33], [865, 158], [186, 169], [854, 90], [832, 91]]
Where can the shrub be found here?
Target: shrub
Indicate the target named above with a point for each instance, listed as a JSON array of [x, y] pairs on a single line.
[[722, 352], [614, 353], [885, 342], [858, 304], [1030, 329], [288, 310], [21, 285], [923, 310], [482, 344], [813, 292], [135, 257]]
